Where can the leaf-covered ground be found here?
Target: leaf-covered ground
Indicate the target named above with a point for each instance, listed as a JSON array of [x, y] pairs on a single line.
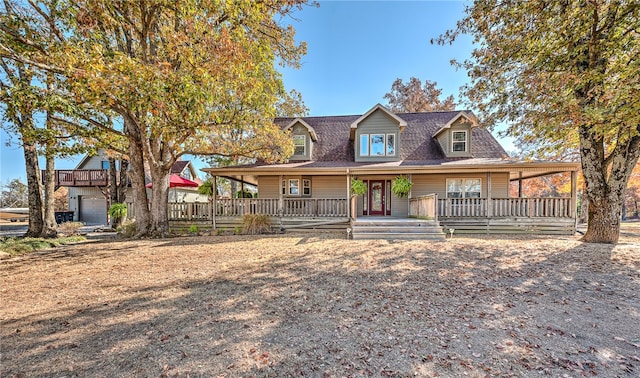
[[319, 305]]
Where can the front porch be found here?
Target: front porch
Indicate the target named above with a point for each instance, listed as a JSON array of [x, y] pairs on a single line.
[[463, 215]]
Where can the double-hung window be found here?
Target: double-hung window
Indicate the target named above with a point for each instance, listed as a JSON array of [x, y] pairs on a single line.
[[291, 187], [377, 144], [459, 141], [300, 145], [464, 188]]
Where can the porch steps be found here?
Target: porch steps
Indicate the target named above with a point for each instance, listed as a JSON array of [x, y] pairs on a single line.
[[396, 228]]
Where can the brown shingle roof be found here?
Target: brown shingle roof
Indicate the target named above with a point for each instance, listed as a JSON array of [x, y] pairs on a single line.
[[417, 144], [179, 166]]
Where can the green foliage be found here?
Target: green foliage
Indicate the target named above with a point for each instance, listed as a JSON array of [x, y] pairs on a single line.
[[358, 187], [70, 228], [237, 230], [254, 224], [245, 194], [17, 246], [118, 210], [401, 186], [206, 188], [193, 229]]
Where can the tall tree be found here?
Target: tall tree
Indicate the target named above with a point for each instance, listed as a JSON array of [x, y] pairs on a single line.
[[14, 194], [563, 73], [415, 97], [193, 77]]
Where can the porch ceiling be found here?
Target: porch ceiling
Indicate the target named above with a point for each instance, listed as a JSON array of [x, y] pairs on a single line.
[[516, 169]]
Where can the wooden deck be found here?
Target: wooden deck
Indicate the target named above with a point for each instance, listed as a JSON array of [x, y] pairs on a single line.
[[80, 177]]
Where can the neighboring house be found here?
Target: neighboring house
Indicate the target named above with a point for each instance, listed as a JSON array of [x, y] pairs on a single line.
[[460, 175], [88, 186]]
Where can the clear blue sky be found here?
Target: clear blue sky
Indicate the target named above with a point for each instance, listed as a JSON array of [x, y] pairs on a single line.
[[356, 49]]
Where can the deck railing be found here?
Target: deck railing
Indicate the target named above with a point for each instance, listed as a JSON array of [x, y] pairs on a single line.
[[505, 207], [424, 207], [80, 177], [237, 207]]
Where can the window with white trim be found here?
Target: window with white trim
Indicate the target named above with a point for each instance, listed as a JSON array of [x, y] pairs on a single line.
[[300, 145], [306, 187], [464, 188], [294, 187], [291, 187], [459, 141], [377, 144]]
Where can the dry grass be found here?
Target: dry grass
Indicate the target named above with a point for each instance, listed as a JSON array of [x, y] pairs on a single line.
[[318, 305]]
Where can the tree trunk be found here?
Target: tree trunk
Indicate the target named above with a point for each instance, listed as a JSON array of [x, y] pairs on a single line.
[[137, 176], [604, 221], [159, 202], [49, 229], [36, 222], [123, 182], [605, 183]]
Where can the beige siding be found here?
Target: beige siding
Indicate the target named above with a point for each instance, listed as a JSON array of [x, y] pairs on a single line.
[[427, 184], [269, 187], [299, 129], [321, 186], [445, 139], [378, 122], [329, 186]]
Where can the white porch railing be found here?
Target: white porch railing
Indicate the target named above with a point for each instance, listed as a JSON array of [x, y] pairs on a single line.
[[505, 207], [424, 207]]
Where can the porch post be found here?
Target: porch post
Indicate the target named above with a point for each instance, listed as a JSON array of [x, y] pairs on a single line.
[[489, 209], [574, 195], [409, 196], [348, 194], [280, 198], [520, 184], [215, 202]]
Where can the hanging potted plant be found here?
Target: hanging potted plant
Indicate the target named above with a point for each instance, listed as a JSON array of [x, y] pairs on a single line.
[[118, 214], [358, 187], [401, 186]]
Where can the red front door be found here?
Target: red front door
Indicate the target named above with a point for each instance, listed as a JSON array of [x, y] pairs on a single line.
[[376, 198]]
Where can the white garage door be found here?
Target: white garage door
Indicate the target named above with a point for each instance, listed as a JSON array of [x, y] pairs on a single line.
[[93, 210]]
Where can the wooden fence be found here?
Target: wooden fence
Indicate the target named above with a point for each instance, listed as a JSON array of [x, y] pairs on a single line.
[[424, 207]]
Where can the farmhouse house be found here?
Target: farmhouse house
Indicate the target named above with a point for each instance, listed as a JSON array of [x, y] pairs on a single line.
[[460, 178]]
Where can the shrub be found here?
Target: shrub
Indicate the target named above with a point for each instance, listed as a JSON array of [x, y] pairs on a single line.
[[69, 228], [128, 229], [245, 194], [193, 229], [254, 224]]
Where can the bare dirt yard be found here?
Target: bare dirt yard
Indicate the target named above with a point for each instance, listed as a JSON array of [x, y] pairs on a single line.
[[318, 305]]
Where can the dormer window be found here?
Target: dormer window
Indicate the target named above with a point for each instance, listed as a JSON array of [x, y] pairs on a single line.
[[377, 144], [299, 143], [459, 141]]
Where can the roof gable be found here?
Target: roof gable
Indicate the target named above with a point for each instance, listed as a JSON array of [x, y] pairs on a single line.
[[469, 117], [401, 122], [311, 130]]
